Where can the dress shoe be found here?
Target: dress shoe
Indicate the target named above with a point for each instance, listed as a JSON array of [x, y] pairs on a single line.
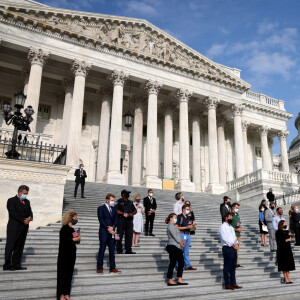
[[239, 266], [190, 268], [146, 233], [151, 234], [20, 268], [82, 197], [100, 271], [115, 271], [182, 283], [289, 282], [172, 284], [9, 268], [130, 252], [229, 287], [237, 286]]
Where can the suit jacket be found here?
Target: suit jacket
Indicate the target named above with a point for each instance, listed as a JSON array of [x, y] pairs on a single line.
[[296, 219], [148, 205], [223, 211], [270, 196], [78, 177], [17, 212], [269, 218], [106, 218]]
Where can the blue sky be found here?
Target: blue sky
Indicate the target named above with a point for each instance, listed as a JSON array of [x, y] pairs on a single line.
[[260, 37]]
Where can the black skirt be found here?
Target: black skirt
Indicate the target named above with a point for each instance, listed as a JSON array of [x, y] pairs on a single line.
[[260, 228]]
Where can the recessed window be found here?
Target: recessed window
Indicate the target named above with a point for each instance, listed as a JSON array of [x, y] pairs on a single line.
[[174, 139], [44, 112], [258, 152], [4, 100], [191, 140], [145, 131], [84, 118]]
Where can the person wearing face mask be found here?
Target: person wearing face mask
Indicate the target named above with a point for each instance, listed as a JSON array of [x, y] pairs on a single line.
[[174, 246], [178, 205], [184, 224], [285, 256], [236, 224], [262, 224], [269, 216], [277, 218], [150, 208], [296, 224], [108, 218], [225, 207], [80, 175], [229, 249], [137, 220], [19, 217], [68, 238]]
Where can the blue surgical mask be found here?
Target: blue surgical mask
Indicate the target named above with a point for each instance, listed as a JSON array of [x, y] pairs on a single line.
[[175, 221], [281, 212], [23, 196]]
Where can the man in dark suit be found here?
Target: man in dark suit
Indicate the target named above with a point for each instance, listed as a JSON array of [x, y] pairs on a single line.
[[225, 207], [80, 179], [296, 225], [108, 218], [19, 216], [150, 208], [271, 196]]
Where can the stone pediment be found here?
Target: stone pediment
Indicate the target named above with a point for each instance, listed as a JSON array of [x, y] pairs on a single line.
[[134, 39]]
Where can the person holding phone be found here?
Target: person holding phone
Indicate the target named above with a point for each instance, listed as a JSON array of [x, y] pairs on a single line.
[[68, 238], [174, 246]]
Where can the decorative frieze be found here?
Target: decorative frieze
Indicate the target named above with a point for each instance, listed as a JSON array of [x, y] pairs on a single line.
[[37, 56], [80, 68]]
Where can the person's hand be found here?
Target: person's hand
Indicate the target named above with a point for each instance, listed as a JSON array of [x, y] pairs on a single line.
[[189, 226], [27, 220], [182, 244], [125, 215], [235, 246], [110, 228], [77, 239], [239, 229], [288, 240]]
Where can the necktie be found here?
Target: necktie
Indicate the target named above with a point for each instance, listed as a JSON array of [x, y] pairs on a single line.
[[22, 201]]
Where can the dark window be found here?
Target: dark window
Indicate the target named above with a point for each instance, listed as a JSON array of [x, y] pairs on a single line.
[[145, 131], [84, 117], [44, 111], [258, 152], [121, 165], [191, 140]]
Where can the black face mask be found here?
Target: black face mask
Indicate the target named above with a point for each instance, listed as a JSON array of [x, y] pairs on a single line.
[[229, 221], [285, 227], [74, 222]]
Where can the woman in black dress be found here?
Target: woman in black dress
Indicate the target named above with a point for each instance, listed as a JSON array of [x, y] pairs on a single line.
[[261, 222], [66, 255], [284, 251]]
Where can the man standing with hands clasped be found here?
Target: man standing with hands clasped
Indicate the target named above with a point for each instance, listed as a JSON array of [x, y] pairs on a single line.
[[229, 248], [150, 208], [80, 179], [19, 217]]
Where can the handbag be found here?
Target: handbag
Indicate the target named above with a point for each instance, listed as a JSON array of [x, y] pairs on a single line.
[[264, 228]]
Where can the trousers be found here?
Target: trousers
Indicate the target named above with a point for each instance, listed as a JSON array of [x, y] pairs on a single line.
[[149, 219], [106, 239], [297, 235], [82, 183], [125, 226], [175, 256], [272, 239], [230, 258], [186, 249]]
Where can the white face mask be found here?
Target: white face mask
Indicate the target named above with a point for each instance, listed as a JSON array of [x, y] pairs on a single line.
[[150, 194], [112, 203], [187, 212], [262, 209], [236, 210], [296, 210]]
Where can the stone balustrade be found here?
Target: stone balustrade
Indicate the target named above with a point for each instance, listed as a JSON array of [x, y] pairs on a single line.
[[265, 100]]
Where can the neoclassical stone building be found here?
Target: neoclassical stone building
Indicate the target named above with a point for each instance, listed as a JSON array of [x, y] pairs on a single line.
[[194, 120]]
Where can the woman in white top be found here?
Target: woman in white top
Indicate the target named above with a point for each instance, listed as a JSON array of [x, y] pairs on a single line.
[[138, 223]]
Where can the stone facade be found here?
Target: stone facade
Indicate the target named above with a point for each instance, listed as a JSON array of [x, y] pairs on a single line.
[[194, 120]]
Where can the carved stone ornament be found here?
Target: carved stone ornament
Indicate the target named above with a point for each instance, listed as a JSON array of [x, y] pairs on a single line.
[[212, 102], [68, 85], [119, 77], [263, 130], [282, 135], [37, 56], [245, 125], [105, 93], [184, 95], [237, 110], [80, 67], [132, 39], [153, 86]]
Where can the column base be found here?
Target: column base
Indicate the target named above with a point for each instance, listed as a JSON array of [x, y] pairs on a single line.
[[152, 182], [215, 188], [185, 185], [114, 177]]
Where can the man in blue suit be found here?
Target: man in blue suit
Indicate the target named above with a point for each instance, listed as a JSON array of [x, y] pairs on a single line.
[[108, 218]]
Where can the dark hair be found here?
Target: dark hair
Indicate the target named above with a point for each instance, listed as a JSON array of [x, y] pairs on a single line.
[[170, 216], [22, 188], [185, 206], [109, 195], [234, 205], [277, 209], [225, 198], [263, 200], [280, 225], [177, 195], [186, 202], [150, 190], [228, 214]]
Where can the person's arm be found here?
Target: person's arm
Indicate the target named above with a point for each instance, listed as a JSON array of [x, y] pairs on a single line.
[[30, 210], [223, 211], [12, 211], [275, 224], [261, 217], [145, 203], [174, 234], [133, 213], [182, 227], [175, 209], [154, 204], [268, 216], [84, 173], [75, 173]]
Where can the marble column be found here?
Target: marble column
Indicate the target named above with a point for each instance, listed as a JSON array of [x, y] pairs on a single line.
[[282, 135], [168, 141], [137, 141], [214, 186], [151, 178], [105, 94], [221, 149], [80, 70], [196, 151], [245, 125], [237, 111], [68, 86], [184, 182], [37, 58], [113, 174], [266, 161]]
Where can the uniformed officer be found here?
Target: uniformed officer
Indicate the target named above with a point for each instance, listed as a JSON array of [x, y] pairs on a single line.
[[126, 210]]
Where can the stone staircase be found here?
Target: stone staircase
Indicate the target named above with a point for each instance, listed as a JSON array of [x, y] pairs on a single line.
[[143, 274]]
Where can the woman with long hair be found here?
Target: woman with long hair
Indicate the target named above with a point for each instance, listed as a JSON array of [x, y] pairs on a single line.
[[68, 237], [138, 223], [261, 222]]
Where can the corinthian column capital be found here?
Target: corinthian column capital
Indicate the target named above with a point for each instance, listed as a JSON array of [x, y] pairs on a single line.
[[37, 56], [118, 77], [237, 109], [245, 125], [184, 95], [263, 130], [153, 86], [80, 68], [212, 102], [282, 135]]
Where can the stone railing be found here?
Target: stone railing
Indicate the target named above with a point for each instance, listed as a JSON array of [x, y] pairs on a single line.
[[287, 198], [32, 138], [259, 175], [264, 100]]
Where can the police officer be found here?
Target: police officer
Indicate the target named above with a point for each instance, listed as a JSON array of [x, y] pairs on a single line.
[[126, 210]]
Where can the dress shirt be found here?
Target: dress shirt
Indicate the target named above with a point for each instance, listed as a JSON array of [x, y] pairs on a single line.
[[108, 207], [151, 199], [227, 235], [276, 220], [178, 207]]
